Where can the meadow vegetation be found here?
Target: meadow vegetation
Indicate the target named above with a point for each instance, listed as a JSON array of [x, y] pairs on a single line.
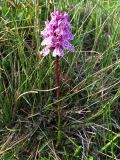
[[90, 82]]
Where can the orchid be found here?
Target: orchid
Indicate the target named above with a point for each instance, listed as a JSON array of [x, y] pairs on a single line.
[[57, 35], [56, 39]]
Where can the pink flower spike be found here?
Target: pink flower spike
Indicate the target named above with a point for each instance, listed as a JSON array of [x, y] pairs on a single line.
[[57, 35], [58, 52], [65, 15], [47, 22], [45, 51]]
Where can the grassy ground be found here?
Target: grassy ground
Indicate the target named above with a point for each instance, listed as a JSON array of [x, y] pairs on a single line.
[[90, 83]]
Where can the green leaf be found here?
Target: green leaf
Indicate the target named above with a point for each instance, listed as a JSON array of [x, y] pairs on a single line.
[[44, 158], [77, 151], [90, 158]]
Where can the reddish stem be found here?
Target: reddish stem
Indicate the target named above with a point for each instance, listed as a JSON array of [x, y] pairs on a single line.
[[58, 103], [57, 78]]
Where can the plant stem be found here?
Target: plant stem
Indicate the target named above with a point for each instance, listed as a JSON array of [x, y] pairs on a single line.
[[58, 96], [57, 77]]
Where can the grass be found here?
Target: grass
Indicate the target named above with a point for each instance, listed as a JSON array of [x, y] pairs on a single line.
[[90, 83]]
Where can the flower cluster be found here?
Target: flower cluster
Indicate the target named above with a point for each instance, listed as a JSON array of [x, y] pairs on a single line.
[[57, 35]]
